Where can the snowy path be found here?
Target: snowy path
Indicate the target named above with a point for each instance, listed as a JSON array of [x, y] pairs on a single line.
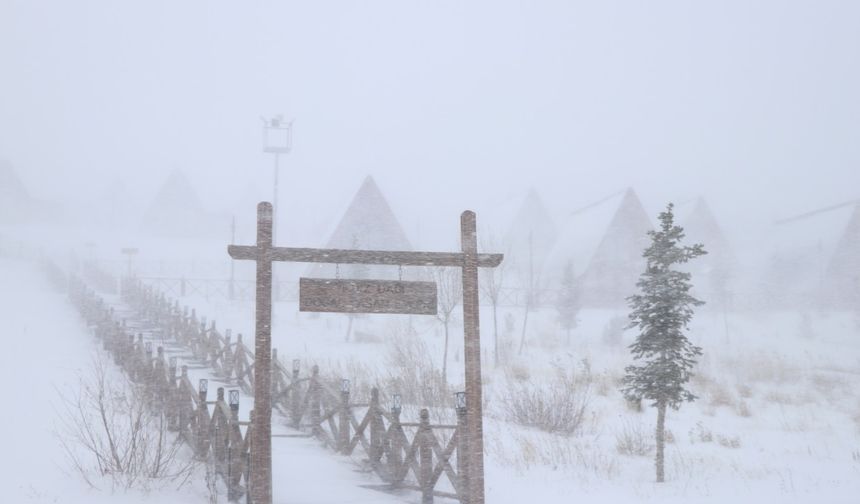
[[47, 348]]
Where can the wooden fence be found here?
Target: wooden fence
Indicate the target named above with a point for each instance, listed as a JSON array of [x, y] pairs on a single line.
[[412, 455], [211, 428], [415, 455]]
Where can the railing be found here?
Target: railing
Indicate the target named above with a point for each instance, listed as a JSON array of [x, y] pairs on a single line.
[[404, 454], [214, 435]]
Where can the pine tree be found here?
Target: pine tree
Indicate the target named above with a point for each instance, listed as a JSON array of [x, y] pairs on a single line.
[[567, 303], [662, 312]]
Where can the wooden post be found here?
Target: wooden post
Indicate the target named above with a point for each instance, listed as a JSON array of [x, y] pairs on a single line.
[[343, 428], [377, 429], [261, 440], [234, 450], [295, 396], [462, 455], [425, 458], [315, 399], [395, 456], [264, 253], [472, 356]]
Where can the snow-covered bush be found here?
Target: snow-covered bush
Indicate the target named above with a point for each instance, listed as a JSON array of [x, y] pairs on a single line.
[[558, 406], [110, 435], [634, 439]]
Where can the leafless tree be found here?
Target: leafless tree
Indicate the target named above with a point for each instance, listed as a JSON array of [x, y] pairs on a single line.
[[108, 432], [492, 281], [450, 293], [532, 288]]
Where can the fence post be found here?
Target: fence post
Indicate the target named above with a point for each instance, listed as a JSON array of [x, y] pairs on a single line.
[[343, 430], [172, 396], [233, 474], [314, 392], [395, 455], [376, 429], [160, 379], [425, 458], [462, 449], [182, 402], [295, 395], [276, 368], [202, 418]]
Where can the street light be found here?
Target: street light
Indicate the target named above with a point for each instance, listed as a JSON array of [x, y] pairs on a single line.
[[277, 140], [129, 252]]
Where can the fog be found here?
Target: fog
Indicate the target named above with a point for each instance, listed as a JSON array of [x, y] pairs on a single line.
[[449, 106], [567, 126]]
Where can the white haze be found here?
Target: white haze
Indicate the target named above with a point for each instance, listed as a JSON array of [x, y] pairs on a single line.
[[450, 105]]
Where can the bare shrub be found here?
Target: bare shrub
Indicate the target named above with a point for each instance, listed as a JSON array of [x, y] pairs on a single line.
[[761, 367], [634, 439], [779, 397], [729, 441], [525, 452], [669, 436], [744, 391], [604, 384], [412, 374], [558, 406], [701, 434], [108, 433], [519, 373], [720, 396], [743, 409]]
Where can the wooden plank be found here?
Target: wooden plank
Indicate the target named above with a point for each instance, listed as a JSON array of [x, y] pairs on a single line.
[[346, 256], [367, 296]]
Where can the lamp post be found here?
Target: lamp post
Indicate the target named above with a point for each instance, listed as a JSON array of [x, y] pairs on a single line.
[[277, 140], [129, 252]]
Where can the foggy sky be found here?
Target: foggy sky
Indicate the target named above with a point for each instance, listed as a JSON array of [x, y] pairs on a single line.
[[450, 105]]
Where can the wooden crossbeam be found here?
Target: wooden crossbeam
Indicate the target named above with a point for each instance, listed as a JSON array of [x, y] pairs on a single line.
[[346, 256]]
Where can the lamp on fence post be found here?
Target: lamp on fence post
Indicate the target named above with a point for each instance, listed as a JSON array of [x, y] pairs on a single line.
[[234, 400], [460, 401], [172, 365]]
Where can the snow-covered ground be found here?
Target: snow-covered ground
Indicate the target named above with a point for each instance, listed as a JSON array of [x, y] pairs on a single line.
[[777, 419], [48, 348]]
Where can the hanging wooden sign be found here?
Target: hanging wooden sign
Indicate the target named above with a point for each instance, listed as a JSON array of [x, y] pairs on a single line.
[[367, 296]]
